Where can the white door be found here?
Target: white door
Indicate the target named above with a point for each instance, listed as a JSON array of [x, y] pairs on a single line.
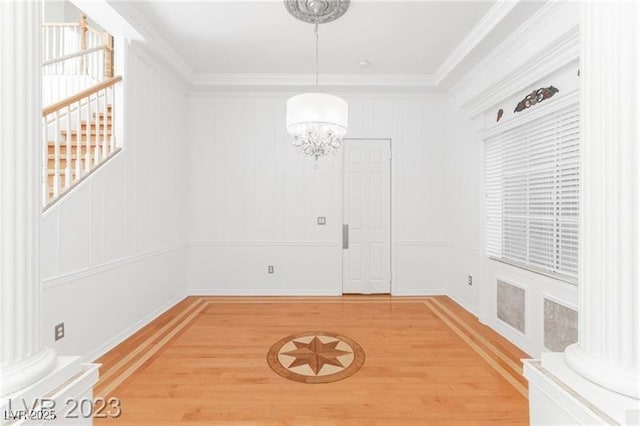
[[366, 254]]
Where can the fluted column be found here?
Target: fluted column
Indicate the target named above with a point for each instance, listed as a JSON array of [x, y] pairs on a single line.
[[607, 352], [23, 359]]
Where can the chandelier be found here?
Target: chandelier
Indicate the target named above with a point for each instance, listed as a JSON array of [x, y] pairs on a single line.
[[317, 121]]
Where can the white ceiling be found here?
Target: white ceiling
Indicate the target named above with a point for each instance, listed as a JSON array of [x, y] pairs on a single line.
[[397, 37]]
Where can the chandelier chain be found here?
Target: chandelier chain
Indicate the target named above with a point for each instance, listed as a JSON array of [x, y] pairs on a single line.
[[317, 53]]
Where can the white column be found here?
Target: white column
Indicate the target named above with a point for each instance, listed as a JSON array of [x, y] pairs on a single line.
[[23, 359], [607, 352]]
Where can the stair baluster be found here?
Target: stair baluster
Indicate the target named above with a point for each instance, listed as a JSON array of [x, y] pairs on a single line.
[[105, 126], [45, 161], [67, 166], [56, 153], [78, 168], [96, 147], [87, 163]]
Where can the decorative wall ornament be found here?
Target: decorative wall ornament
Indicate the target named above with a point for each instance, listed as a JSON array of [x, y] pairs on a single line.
[[535, 97], [499, 116]]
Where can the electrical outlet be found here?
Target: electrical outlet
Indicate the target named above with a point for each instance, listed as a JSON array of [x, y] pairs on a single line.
[[322, 220], [270, 269], [470, 280], [59, 331]]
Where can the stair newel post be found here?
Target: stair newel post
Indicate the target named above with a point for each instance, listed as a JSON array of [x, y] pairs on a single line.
[[108, 55], [84, 28], [87, 159], [78, 168]]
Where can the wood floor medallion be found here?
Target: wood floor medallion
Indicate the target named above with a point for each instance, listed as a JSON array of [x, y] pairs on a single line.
[[316, 357]]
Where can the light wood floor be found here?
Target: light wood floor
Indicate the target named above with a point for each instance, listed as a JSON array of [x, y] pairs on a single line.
[[428, 362]]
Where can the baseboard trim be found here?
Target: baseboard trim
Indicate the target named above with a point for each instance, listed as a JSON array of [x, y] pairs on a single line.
[[264, 244], [131, 330], [258, 293], [467, 307], [294, 293], [422, 293]]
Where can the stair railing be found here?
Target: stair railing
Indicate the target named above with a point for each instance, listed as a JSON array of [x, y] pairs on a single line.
[[78, 135], [69, 74], [75, 57]]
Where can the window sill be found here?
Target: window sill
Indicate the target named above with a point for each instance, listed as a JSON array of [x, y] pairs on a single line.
[[559, 277]]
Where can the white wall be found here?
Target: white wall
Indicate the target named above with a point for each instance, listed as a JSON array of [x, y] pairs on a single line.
[[114, 250], [464, 203], [125, 245], [255, 198], [543, 52], [63, 11]]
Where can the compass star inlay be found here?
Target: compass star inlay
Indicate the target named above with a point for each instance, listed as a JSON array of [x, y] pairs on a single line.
[[316, 354], [316, 357]]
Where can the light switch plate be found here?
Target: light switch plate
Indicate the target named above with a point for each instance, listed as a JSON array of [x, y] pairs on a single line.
[[322, 220]]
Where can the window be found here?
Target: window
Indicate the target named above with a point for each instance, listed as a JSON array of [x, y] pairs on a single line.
[[532, 193]]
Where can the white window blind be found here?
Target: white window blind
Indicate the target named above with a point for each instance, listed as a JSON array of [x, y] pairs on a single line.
[[532, 193]]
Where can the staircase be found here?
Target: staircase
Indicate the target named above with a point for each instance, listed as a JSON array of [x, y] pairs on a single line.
[[78, 129], [86, 152]]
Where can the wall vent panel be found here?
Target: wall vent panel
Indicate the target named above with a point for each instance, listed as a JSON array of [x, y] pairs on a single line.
[[560, 326], [511, 305]]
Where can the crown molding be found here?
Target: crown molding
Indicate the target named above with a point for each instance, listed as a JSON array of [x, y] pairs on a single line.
[[426, 82], [158, 46], [155, 43], [547, 41], [489, 21], [288, 80]]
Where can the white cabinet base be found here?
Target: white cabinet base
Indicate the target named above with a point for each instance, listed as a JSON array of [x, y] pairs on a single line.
[[53, 395], [560, 396]]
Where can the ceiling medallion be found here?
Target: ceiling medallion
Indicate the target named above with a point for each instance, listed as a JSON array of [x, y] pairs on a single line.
[[316, 357], [317, 11]]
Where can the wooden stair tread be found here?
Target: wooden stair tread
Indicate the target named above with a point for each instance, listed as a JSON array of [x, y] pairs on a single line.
[[63, 145], [64, 157], [83, 132]]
